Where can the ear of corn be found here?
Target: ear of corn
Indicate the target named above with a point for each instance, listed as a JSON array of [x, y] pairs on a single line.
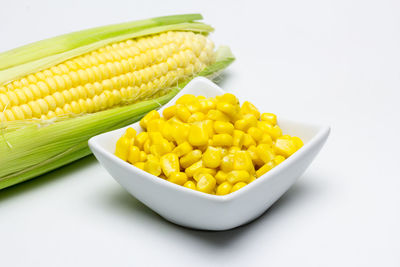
[[47, 53], [47, 117], [117, 74]]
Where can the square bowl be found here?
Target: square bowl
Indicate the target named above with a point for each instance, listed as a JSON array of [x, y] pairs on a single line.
[[198, 210]]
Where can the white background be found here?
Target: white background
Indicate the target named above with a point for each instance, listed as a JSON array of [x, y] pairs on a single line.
[[336, 62]]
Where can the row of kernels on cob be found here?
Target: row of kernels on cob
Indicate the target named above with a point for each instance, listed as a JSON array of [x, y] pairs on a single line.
[[116, 74]]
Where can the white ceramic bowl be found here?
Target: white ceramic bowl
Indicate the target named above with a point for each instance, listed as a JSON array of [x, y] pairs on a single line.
[[198, 210]]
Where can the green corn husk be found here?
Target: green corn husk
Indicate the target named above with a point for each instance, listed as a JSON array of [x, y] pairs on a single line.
[[34, 147]]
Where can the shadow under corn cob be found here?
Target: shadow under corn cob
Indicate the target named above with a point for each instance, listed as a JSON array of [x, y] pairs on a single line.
[[53, 100]]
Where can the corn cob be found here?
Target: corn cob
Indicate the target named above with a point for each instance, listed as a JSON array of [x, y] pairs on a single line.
[[51, 106], [124, 72]]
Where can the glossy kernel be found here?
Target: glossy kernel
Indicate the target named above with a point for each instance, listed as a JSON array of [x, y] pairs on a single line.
[[224, 188], [190, 158], [222, 140], [221, 127], [169, 163], [198, 135], [212, 157], [179, 178], [249, 108], [206, 183], [237, 186], [190, 185], [148, 117]]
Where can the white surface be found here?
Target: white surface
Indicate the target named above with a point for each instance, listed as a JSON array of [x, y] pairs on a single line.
[[202, 211], [331, 61]]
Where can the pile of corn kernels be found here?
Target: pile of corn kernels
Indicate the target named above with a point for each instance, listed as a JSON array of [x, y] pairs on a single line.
[[212, 145]]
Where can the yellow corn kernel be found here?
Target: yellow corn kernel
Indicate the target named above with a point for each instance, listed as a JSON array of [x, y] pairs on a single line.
[[192, 169], [169, 163], [190, 158], [238, 138], [198, 135], [217, 115], [264, 126], [242, 161], [247, 121], [206, 183], [269, 117], [194, 106], [228, 109], [276, 132], [186, 99], [248, 141], [228, 98], [166, 131], [134, 154], [152, 165], [139, 165], [155, 137], [207, 104], [221, 127], [264, 169], [227, 163], [284, 147], [130, 132], [140, 139], [201, 171], [222, 140], [212, 157], [197, 116], [299, 143], [190, 185], [236, 176], [209, 126], [255, 133], [252, 150], [160, 148], [264, 152], [169, 112], [224, 188], [182, 149], [146, 146], [266, 139], [220, 177], [237, 186], [179, 178], [122, 147], [278, 159], [249, 108], [155, 125], [148, 117], [182, 112], [142, 156]]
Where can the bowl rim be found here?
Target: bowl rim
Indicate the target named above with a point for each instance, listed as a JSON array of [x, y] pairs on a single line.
[[322, 130]]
